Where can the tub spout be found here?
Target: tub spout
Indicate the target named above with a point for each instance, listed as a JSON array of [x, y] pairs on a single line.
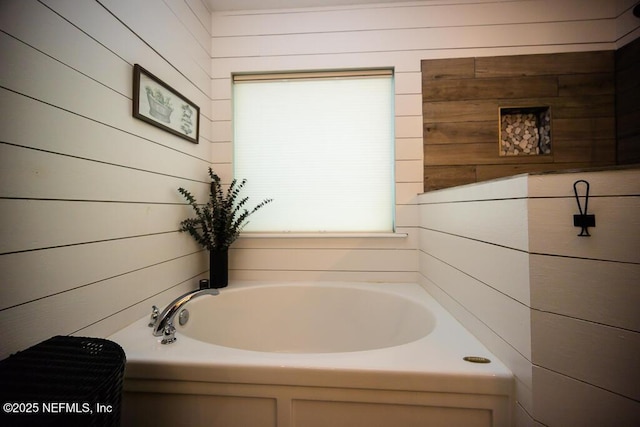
[[163, 325]]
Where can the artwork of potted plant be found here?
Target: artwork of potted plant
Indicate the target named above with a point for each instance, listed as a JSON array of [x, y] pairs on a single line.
[[218, 224], [159, 105]]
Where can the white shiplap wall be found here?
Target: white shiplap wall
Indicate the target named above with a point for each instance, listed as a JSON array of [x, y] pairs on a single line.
[[558, 309], [88, 194], [397, 35]]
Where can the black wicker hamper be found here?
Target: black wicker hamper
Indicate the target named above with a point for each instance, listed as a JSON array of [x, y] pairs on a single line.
[[63, 381]]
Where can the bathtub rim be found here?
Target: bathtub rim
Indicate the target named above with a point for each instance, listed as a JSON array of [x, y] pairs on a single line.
[[147, 359]]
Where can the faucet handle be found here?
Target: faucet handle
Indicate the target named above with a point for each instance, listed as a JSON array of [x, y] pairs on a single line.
[[169, 333], [155, 312]]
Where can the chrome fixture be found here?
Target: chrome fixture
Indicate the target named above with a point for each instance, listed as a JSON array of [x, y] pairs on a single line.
[[183, 317], [154, 316], [163, 323]]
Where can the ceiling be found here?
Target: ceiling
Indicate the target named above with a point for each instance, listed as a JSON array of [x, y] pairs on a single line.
[[222, 5]]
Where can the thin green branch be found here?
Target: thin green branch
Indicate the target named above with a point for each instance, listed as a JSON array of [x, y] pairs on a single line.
[[219, 222]]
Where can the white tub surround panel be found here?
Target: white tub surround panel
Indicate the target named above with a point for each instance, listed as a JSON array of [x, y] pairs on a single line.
[[579, 342], [424, 380]]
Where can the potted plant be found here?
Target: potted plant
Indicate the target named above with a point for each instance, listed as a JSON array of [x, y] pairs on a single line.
[[218, 224]]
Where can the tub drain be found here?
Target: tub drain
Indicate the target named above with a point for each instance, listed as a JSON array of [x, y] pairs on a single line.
[[476, 359]]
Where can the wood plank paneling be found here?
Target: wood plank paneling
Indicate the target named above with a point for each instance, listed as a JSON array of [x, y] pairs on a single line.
[[581, 106], [461, 113], [487, 172], [455, 111], [474, 154], [586, 84], [504, 88], [545, 64], [594, 152], [580, 129], [460, 132], [447, 176], [628, 103]]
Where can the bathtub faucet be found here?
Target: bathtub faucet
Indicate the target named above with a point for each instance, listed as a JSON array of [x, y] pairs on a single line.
[[162, 323]]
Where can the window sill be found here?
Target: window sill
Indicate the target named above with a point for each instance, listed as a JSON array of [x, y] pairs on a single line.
[[386, 235]]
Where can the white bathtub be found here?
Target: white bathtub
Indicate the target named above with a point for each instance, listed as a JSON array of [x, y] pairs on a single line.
[[322, 354]]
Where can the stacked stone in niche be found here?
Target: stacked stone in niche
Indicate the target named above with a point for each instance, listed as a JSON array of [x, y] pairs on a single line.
[[519, 135]]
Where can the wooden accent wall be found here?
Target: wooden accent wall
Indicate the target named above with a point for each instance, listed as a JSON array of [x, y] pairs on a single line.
[[628, 102], [461, 98]]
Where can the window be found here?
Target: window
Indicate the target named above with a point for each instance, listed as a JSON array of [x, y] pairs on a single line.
[[321, 145]]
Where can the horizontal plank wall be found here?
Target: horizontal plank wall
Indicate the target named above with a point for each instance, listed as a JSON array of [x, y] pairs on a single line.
[[88, 194], [560, 310], [474, 259], [628, 102], [394, 35], [461, 101], [584, 298]]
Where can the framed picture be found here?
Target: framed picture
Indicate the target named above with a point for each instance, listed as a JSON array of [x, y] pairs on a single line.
[[157, 103]]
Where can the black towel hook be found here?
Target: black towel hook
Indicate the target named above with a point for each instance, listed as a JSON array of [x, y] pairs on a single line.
[[583, 220]]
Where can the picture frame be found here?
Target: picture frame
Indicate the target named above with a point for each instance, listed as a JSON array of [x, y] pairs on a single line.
[[157, 103]]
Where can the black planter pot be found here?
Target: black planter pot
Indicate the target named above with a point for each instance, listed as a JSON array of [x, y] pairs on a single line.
[[218, 269]]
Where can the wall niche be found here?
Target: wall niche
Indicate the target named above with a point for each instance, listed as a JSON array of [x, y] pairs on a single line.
[[525, 131], [462, 99]]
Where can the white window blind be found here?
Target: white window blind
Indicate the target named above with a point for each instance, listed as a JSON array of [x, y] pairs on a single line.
[[321, 145]]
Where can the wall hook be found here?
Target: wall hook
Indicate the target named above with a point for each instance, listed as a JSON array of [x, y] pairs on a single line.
[[583, 220]]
